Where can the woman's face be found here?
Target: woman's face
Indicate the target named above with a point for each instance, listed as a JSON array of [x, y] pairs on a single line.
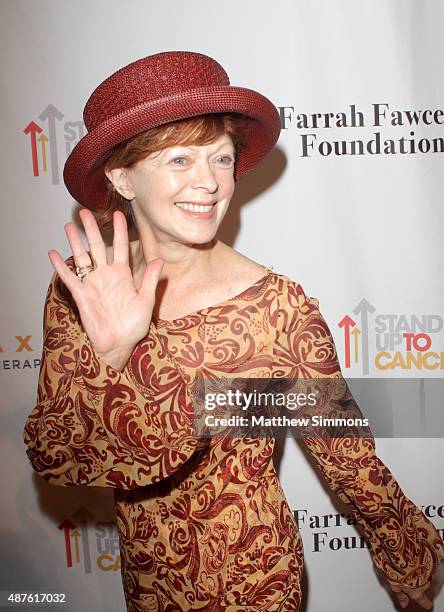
[[183, 192]]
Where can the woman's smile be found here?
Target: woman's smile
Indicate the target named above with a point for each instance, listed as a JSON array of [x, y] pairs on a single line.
[[199, 211]]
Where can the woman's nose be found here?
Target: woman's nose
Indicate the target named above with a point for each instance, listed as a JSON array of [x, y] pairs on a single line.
[[204, 176]]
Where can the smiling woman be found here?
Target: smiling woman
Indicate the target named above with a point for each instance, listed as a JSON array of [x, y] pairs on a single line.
[[132, 331]]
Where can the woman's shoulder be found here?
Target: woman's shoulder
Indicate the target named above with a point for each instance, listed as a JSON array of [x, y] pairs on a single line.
[[288, 292], [291, 294], [295, 311], [243, 268]]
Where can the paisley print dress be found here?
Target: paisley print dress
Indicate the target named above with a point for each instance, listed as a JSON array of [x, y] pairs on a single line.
[[204, 524]]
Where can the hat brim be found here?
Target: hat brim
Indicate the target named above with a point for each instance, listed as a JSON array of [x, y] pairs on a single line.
[[83, 172]]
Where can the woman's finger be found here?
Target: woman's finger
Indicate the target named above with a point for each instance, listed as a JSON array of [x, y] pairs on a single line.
[[417, 595], [403, 599], [96, 245], [120, 238], [68, 277], [81, 257], [422, 600]]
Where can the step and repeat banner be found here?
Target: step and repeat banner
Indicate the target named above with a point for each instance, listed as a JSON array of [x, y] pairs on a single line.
[[349, 204]]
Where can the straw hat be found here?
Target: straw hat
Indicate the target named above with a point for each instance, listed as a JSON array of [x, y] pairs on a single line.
[[153, 91]]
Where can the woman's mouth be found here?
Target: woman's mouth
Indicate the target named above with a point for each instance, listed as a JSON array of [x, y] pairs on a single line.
[[197, 211]]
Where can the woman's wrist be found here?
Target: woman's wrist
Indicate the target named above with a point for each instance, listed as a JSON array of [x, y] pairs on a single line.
[[117, 358]]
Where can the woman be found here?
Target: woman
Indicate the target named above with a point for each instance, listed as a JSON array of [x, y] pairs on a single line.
[[203, 523]]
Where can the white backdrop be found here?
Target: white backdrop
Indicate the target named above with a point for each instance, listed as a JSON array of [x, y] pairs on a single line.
[[348, 227]]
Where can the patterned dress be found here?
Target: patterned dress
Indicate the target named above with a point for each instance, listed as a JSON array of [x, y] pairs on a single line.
[[204, 525]]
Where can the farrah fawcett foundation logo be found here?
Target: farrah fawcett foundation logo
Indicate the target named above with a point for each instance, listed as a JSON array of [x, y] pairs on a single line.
[[391, 341]]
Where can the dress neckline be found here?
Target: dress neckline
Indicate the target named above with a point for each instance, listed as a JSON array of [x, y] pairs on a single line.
[[260, 281]]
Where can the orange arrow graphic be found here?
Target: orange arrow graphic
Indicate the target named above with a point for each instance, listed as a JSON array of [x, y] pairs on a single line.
[[356, 333], [44, 139], [76, 536]]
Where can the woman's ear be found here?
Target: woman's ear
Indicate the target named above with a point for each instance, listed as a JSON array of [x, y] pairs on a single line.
[[121, 182]]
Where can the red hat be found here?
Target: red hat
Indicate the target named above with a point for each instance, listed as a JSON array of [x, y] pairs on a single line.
[[153, 91]]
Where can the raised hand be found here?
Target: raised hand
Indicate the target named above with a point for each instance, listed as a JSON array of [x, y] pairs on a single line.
[[404, 596], [114, 314]]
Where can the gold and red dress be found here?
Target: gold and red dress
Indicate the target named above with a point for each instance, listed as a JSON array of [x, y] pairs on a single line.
[[207, 526]]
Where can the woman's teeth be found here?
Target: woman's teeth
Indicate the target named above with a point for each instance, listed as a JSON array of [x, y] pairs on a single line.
[[194, 207]]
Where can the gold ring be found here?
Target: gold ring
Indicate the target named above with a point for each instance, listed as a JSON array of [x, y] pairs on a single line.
[[83, 271]]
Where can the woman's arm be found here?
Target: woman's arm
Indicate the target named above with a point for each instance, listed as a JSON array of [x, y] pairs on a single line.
[[403, 543], [94, 425]]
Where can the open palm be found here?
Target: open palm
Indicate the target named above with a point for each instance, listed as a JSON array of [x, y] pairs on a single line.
[[114, 313]]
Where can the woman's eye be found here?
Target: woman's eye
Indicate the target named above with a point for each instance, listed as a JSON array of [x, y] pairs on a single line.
[[226, 160], [179, 161]]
